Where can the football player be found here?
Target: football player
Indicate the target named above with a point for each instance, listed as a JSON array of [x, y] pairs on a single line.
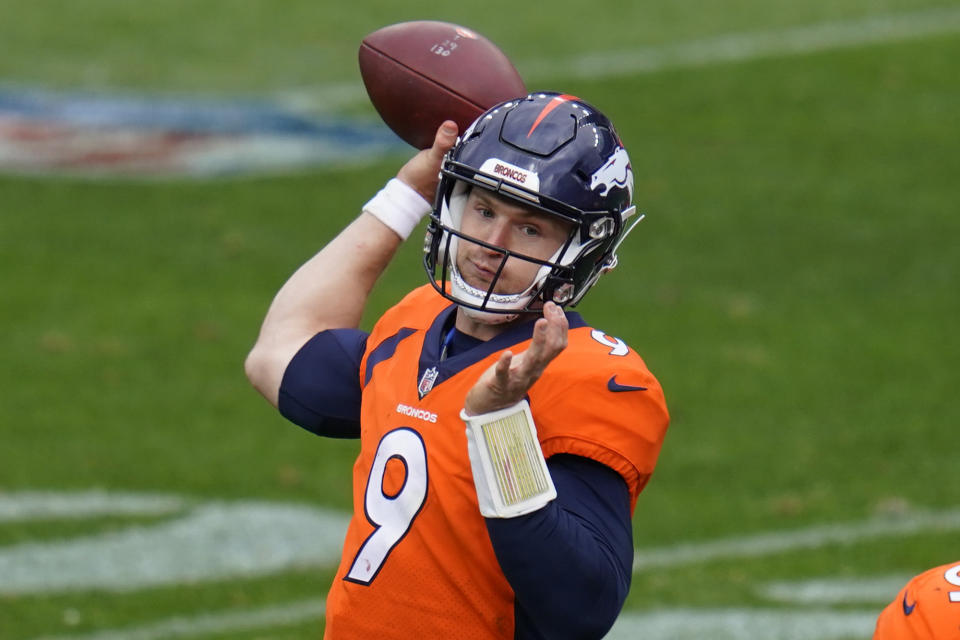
[[503, 439], [927, 608]]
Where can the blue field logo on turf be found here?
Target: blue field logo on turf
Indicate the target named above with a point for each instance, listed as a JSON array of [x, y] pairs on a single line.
[[50, 132]]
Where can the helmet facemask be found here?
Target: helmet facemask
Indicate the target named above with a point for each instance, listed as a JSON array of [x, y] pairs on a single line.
[[548, 153], [555, 276]]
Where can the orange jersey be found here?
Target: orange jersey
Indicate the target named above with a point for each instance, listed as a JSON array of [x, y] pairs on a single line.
[[417, 558], [927, 608]]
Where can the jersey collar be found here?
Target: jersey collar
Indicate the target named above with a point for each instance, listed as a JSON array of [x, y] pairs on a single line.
[[448, 367]]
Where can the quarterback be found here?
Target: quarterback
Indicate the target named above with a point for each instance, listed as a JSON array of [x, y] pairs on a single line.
[[503, 439]]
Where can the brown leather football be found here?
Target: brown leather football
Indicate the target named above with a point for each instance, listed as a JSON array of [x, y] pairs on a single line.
[[420, 73]]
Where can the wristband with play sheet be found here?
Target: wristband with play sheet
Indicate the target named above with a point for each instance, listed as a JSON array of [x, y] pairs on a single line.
[[509, 470]]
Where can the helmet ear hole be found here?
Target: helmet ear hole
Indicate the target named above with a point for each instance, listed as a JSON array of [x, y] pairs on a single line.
[[563, 294]]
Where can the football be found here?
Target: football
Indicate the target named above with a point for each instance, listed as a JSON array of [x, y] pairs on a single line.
[[420, 73]]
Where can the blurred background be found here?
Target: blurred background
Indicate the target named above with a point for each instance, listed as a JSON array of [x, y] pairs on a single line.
[[165, 166]]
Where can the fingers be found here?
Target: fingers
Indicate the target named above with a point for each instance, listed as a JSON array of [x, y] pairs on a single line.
[[509, 379], [502, 381], [492, 391], [549, 334], [502, 370], [559, 325], [445, 138]]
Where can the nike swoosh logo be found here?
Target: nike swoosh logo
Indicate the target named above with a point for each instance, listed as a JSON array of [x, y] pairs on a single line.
[[613, 385], [908, 609]]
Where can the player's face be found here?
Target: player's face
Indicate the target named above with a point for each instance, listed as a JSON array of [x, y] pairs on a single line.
[[508, 225]]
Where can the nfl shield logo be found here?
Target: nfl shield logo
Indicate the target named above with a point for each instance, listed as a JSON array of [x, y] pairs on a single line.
[[426, 382]]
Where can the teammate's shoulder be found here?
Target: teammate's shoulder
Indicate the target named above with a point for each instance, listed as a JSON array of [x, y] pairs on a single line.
[[927, 608], [939, 583]]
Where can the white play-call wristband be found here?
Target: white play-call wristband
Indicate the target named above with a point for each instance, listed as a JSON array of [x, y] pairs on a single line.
[[509, 471], [399, 206]]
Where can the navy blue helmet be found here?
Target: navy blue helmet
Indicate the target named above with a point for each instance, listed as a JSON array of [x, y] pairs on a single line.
[[550, 152]]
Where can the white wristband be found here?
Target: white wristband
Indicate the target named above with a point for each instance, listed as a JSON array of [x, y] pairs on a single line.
[[399, 206], [509, 471]]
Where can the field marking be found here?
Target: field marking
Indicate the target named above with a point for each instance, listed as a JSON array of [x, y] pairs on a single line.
[[48, 505], [212, 623], [744, 624], [763, 544], [216, 540], [720, 49], [213, 541], [118, 133], [43, 131], [832, 591], [751, 45], [668, 624]]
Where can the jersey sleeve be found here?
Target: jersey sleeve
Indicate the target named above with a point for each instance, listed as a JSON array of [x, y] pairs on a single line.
[[320, 390], [580, 547], [601, 402]]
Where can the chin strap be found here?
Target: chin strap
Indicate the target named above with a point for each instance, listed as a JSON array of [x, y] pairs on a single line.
[[488, 317], [509, 471]]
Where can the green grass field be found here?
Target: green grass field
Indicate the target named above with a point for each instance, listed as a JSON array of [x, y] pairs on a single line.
[[794, 287]]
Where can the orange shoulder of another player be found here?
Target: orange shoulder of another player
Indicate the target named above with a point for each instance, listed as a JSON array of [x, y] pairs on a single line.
[[927, 608], [598, 399]]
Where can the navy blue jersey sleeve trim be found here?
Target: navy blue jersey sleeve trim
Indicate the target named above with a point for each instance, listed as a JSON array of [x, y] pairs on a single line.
[[579, 549], [320, 390], [385, 351]]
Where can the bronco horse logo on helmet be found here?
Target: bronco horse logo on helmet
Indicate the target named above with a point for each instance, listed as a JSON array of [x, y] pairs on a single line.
[[616, 172]]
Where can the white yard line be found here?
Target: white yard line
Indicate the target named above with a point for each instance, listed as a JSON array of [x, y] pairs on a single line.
[[832, 591], [724, 48], [668, 624], [751, 45], [43, 505], [214, 540], [210, 541], [744, 624], [212, 623], [763, 544]]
